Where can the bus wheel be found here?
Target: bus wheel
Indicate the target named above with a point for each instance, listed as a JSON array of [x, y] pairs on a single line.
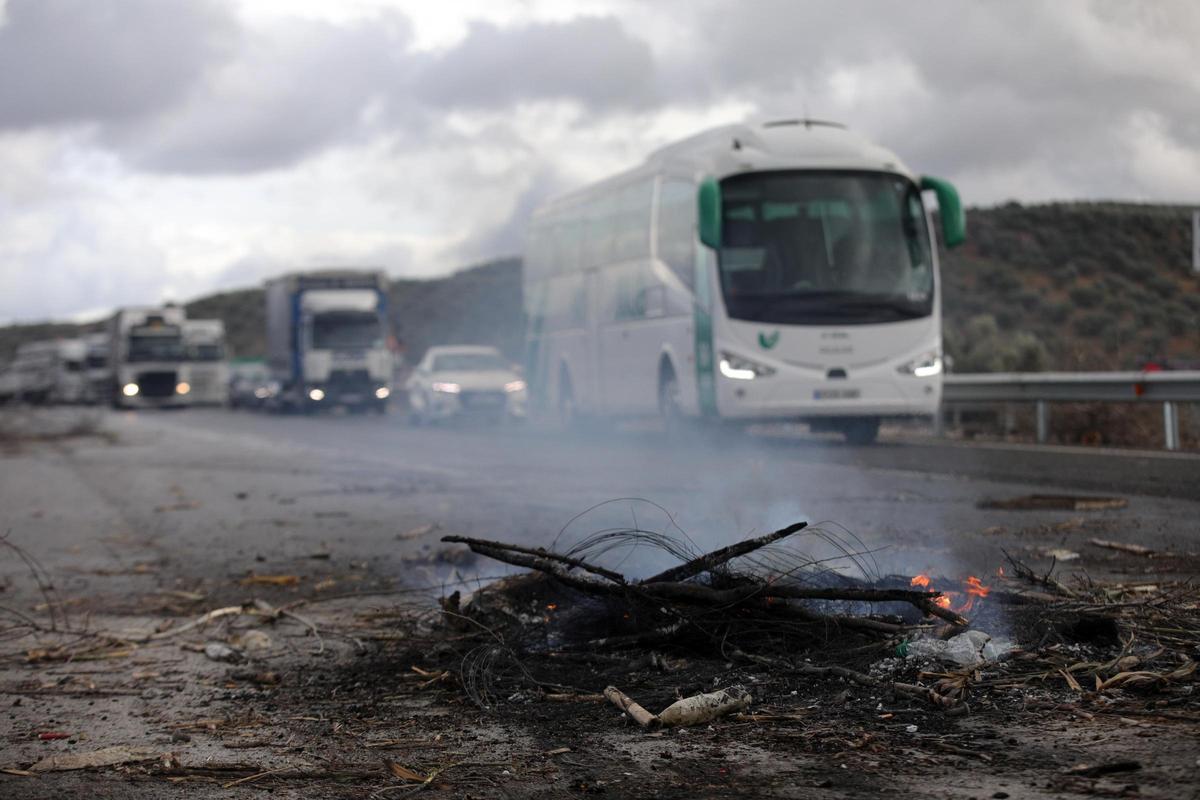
[[668, 400], [861, 431]]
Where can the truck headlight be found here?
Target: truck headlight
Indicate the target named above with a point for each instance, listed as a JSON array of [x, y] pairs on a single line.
[[743, 369], [382, 393], [130, 390], [925, 365], [514, 386], [445, 388], [316, 395]]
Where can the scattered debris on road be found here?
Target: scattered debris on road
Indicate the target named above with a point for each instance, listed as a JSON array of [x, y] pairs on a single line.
[[1124, 547], [1056, 502]]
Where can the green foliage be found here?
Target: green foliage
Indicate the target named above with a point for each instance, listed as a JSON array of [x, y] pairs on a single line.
[[1058, 312], [981, 345], [1092, 323], [1086, 296], [1124, 269]]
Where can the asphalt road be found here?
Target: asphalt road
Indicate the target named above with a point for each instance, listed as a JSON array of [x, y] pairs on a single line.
[[206, 496], [172, 515]]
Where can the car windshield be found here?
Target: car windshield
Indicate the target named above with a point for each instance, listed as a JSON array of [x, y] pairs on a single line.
[[468, 362], [158, 347], [824, 248], [340, 330]]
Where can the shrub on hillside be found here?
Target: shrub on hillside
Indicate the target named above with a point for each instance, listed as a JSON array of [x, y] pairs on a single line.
[[1058, 312], [981, 345], [1092, 323], [1085, 296]]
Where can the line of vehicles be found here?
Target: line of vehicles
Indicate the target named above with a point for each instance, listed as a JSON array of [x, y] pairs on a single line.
[[783, 270], [145, 357]]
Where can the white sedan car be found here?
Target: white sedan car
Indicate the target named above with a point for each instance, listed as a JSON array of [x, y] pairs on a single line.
[[465, 381]]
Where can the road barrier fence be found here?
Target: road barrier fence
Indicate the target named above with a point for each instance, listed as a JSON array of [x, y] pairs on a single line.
[[1043, 388]]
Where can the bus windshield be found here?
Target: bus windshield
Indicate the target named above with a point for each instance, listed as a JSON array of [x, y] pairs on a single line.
[[813, 248], [338, 330]]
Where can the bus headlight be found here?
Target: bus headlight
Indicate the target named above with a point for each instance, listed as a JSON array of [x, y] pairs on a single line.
[[743, 369], [382, 393], [316, 395], [514, 386], [183, 387], [130, 390], [925, 365]]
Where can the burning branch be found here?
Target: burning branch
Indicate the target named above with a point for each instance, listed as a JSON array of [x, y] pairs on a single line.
[[675, 585]]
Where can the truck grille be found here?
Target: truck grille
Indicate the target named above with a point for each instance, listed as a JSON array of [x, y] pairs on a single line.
[[156, 384], [350, 381]]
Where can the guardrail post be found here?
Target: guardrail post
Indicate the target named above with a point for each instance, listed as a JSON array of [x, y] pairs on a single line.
[[1171, 425], [1043, 421]]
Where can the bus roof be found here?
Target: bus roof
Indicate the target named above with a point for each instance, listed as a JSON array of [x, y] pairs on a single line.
[[756, 147]]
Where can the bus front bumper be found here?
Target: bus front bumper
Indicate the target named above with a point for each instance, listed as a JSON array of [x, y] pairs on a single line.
[[791, 397]]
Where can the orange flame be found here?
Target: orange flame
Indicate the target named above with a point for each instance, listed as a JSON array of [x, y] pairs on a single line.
[[973, 589]]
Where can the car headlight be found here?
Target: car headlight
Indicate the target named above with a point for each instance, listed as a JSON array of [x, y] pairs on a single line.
[[925, 365], [514, 386], [130, 390], [445, 388], [183, 387], [316, 395], [382, 392], [743, 369]]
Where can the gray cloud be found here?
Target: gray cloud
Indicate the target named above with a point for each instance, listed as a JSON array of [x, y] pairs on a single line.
[[448, 151], [507, 237], [592, 60], [68, 61], [291, 92], [967, 88]]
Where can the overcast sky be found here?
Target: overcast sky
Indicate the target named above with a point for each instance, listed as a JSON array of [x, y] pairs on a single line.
[[161, 149]]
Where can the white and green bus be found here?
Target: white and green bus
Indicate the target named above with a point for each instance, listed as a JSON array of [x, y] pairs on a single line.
[[777, 271]]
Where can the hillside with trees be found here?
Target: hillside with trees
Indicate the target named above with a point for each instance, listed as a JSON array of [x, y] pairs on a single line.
[[1082, 286]]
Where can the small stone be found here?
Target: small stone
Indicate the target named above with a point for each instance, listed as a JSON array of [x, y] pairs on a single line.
[[221, 652]]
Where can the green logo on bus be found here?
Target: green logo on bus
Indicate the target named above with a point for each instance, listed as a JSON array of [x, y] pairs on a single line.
[[768, 340]]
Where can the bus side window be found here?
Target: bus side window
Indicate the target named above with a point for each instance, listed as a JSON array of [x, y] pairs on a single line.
[[677, 228]]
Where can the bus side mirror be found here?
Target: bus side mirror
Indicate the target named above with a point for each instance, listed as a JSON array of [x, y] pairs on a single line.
[[954, 220], [709, 209]]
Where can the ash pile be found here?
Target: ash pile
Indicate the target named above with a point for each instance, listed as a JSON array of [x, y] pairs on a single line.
[[760, 629]]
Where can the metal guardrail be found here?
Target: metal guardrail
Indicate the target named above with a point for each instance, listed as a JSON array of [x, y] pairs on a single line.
[[1043, 388]]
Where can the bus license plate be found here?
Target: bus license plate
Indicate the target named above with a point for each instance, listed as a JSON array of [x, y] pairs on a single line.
[[836, 394]]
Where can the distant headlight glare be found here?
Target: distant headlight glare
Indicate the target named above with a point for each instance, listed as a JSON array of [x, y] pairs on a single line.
[[514, 386], [183, 387], [130, 390], [446, 388], [382, 392], [316, 395]]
